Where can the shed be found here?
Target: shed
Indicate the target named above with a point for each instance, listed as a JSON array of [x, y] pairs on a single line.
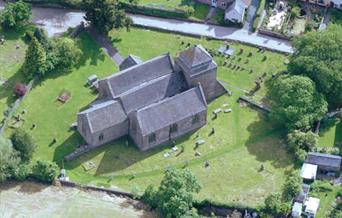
[[297, 209], [325, 162], [308, 171], [311, 206]]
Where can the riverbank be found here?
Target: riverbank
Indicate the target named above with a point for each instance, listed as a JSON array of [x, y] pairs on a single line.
[[21, 199]]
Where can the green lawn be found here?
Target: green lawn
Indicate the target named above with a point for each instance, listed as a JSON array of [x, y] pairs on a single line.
[[11, 59], [243, 141], [331, 136], [169, 4]]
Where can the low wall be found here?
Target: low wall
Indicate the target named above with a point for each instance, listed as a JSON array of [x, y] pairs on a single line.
[[273, 34]]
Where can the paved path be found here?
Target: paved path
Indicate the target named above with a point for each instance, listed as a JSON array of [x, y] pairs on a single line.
[[106, 45], [213, 31]]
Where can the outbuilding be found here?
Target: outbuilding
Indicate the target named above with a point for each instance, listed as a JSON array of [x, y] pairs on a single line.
[[308, 171], [324, 162]]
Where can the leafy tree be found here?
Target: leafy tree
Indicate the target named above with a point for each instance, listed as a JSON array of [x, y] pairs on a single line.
[[15, 14], [319, 56], [67, 54], [42, 37], [292, 186], [295, 101], [301, 142], [45, 171], [24, 143], [105, 15], [35, 60], [22, 172], [174, 196], [275, 207], [9, 159]]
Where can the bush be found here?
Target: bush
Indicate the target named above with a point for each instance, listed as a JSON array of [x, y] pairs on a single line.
[[292, 186], [22, 172], [275, 207], [9, 159], [24, 143], [45, 171], [19, 90]]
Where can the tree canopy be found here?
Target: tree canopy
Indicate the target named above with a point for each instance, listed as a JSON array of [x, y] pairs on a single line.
[[174, 196], [35, 60], [296, 102], [105, 15], [319, 56], [15, 14], [9, 159], [24, 143]]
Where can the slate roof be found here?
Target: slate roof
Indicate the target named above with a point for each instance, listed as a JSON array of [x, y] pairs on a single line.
[[130, 61], [195, 56], [236, 11], [138, 74], [324, 159], [153, 91], [104, 115], [170, 110]]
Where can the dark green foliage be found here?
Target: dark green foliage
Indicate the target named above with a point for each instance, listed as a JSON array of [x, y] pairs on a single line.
[[24, 143], [105, 15], [292, 186], [274, 206], [45, 171], [319, 56], [295, 102], [35, 60], [15, 14], [66, 54], [301, 142], [9, 159], [174, 196]]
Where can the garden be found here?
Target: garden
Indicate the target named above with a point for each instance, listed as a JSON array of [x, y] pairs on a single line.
[[289, 18]]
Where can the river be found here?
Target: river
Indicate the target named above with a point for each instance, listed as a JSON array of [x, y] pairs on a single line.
[[54, 21], [29, 199]]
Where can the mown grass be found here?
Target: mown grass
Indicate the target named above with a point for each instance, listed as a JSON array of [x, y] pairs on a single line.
[[244, 140], [12, 55]]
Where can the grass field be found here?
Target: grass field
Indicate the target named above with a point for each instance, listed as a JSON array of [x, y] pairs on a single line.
[[331, 136], [244, 140], [11, 59]]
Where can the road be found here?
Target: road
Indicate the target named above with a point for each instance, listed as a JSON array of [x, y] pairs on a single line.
[[57, 21]]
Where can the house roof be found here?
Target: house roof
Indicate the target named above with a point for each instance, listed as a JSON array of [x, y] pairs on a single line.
[[321, 159], [308, 171], [153, 91], [134, 76], [236, 11], [297, 209], [311, 205], [104, 115], [195, 56], [170, 110], [130, 61]]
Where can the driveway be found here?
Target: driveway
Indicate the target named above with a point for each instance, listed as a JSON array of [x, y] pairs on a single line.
[[252, 9], [213, 31]]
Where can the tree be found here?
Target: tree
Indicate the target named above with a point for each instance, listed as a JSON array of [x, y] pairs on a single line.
[[45, 171], [105, 15], [275, 207], [67, 54], [35, 60], [292, 186], [19, 90], [295, 101], [174, 196], [301, 142], [24, 143], [9, 159], [318, 55], [15, 14]]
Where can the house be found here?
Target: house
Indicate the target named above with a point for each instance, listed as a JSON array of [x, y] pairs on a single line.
[[234, 9], [154, 102], [325, 162], [308, 171], [336, 4], [326, 3], [311, 206]]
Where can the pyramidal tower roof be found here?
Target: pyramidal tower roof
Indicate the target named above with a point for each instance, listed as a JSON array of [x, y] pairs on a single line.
[[195, 56]]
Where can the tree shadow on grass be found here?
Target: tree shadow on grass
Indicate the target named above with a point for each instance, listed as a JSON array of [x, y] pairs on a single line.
[[266, 144]]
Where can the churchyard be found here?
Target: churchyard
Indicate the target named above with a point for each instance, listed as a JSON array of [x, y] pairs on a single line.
[[244, 140]]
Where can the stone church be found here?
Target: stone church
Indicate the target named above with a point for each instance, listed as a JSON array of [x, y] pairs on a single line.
[[154, 102]]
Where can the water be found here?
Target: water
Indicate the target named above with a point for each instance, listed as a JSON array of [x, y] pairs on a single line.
[[54, 21], [35, 200]]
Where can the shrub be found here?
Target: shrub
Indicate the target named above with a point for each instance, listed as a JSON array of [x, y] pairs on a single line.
[[9, 159], [24, 143], [275, 207], [22, 172], [292, 186], [19, 90], [45, 171]]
